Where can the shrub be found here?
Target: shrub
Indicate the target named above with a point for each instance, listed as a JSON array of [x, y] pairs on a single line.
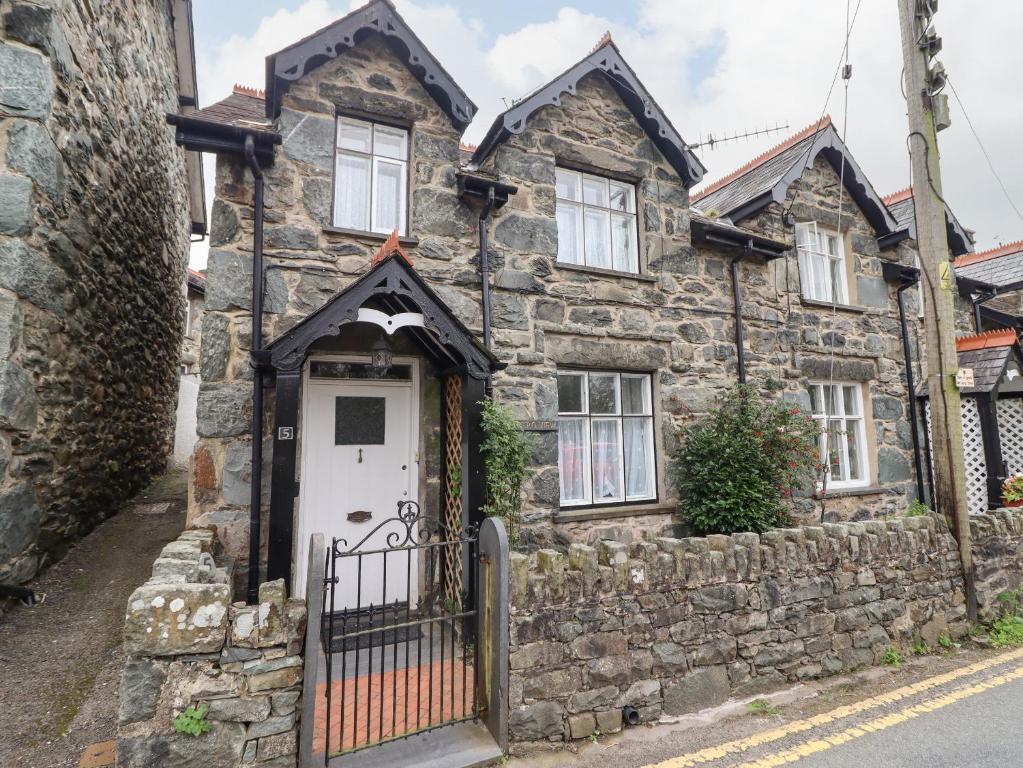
[[917, 509], [736, 467], [505, 454]]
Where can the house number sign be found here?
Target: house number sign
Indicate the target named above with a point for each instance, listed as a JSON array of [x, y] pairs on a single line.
[[285, 433], [538, 425]]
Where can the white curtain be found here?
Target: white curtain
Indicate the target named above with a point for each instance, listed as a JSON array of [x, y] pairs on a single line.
[[351, 196], [638, 465], [388, 197], [606, 460], [572, 451]]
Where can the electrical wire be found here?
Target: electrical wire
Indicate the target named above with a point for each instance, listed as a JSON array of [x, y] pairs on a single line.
[[983, 149]]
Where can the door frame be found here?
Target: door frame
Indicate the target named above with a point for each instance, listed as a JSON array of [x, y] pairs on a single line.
[[308, 382]]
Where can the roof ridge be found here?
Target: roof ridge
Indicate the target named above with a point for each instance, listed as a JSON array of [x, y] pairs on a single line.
[[467, 147], [1001, 337], [390, 247], [248, 90], [992, 253], [762, 158], [604, 40], [898, 197]]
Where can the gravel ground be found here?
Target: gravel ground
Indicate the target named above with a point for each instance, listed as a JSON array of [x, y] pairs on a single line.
[[60, 662]]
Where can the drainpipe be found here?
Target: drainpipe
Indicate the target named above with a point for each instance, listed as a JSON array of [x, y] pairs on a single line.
[[485, 274], [485, 264], [740, 343], [255, 496], [911, 384]]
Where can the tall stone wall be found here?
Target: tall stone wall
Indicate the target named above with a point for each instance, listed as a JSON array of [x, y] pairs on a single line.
[[672, 626], [94, 231], [188, 645]]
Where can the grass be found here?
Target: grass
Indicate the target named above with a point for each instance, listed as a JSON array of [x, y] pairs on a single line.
[[891, 658], [945, 641], [762, 707], [920, 649], [1007, 632]]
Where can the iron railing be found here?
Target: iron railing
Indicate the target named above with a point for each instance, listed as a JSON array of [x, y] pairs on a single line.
[[400, 659]]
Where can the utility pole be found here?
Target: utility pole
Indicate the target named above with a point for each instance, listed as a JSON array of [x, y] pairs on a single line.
[[923, 81]]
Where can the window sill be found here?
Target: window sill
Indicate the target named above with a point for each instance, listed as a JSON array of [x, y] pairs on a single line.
[[411, 242], [605, 272], [579, 515], [828, 305], [866, 490]]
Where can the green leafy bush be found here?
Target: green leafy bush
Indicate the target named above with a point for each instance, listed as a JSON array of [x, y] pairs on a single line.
[[505, 450], [917, 509], [193, 720], [1012, 489], [736, 467]]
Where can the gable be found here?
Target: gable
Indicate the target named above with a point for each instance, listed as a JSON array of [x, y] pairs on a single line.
[[378, 18], [608, 63], [767, 179]]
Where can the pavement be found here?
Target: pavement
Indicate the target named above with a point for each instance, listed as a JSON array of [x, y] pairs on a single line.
[[955, 708], [61, 660]]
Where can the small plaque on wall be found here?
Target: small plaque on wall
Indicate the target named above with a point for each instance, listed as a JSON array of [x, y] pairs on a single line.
[[538, 425], [964, 378]]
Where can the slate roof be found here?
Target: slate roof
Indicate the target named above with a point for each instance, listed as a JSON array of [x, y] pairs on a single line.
[[960, 240], [1000, 267], [244, 108], [196, 280], [988, 366], [767, 178]]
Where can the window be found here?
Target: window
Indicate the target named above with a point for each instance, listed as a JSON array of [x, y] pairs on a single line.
[[596, 221], [821, 264], [605, 437], [838, 411], [370, 176]]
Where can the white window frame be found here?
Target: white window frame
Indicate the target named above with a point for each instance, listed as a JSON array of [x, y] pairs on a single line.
[[375, 160], [581, 210], [856, 422], [817, 262], [619, 417]]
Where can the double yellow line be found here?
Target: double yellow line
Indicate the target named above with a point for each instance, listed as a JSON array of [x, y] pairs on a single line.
[[818, 745]]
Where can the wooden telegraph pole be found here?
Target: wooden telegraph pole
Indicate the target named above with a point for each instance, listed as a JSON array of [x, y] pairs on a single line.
[[922, 83]]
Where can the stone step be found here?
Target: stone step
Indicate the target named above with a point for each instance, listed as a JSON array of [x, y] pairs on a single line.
[[462, 745]]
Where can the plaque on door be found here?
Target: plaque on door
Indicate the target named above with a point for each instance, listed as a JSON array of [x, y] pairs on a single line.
[[359, 516]]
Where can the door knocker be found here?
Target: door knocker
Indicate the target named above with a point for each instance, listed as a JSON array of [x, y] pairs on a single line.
[[360, 455]]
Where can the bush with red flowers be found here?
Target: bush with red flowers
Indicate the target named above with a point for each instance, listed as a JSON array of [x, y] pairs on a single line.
[[736, 467]]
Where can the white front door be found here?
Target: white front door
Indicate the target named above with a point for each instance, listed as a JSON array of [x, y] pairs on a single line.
[[358, 441]]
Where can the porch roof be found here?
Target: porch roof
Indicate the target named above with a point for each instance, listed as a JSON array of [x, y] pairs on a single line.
[[409, 302]]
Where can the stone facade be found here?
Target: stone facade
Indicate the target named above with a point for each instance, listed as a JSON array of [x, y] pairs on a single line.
[[672, 626], [186, 645], [94, 231], [674, 320]]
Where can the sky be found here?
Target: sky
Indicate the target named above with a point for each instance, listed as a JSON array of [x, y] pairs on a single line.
[[716, 67]]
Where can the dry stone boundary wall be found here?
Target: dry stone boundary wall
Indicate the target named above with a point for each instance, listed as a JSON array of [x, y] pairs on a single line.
[[672, 626], [187, 644]]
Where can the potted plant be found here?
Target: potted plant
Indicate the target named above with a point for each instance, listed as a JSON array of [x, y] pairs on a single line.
[[1012, 491]]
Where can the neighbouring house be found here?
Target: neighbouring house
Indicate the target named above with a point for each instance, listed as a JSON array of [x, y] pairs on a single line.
[[990, 289], [185, 435], [97, 205]]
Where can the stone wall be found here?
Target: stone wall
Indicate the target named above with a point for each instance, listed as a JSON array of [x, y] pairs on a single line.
[[672, 626], [186, 644], [94, 231], [997, 540]]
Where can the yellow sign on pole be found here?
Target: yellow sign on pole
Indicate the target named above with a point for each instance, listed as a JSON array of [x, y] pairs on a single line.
[[945, 271]]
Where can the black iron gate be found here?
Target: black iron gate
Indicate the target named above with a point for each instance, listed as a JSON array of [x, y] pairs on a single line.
[[399, 633]]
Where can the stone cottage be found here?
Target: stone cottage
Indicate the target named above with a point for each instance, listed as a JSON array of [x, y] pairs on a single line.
[[610, 305], [96, 208]]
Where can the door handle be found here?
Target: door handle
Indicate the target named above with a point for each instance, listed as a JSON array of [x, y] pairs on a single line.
[[360, 455]]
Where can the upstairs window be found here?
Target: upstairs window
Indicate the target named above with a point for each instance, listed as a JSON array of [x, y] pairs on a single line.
[[370, 177], [822, 269], [838, 411], [605, 437], [596, 221]]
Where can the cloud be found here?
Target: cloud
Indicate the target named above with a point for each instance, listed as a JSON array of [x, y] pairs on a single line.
[[725, 67]]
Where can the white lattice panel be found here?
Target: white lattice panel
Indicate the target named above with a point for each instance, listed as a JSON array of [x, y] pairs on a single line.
[[1010, 433], [973, 454]]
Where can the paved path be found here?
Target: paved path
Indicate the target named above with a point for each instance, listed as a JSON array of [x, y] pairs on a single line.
[[60, 662], [955, 711]]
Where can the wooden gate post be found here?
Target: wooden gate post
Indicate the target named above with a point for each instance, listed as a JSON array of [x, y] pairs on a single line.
[[492, 677]]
